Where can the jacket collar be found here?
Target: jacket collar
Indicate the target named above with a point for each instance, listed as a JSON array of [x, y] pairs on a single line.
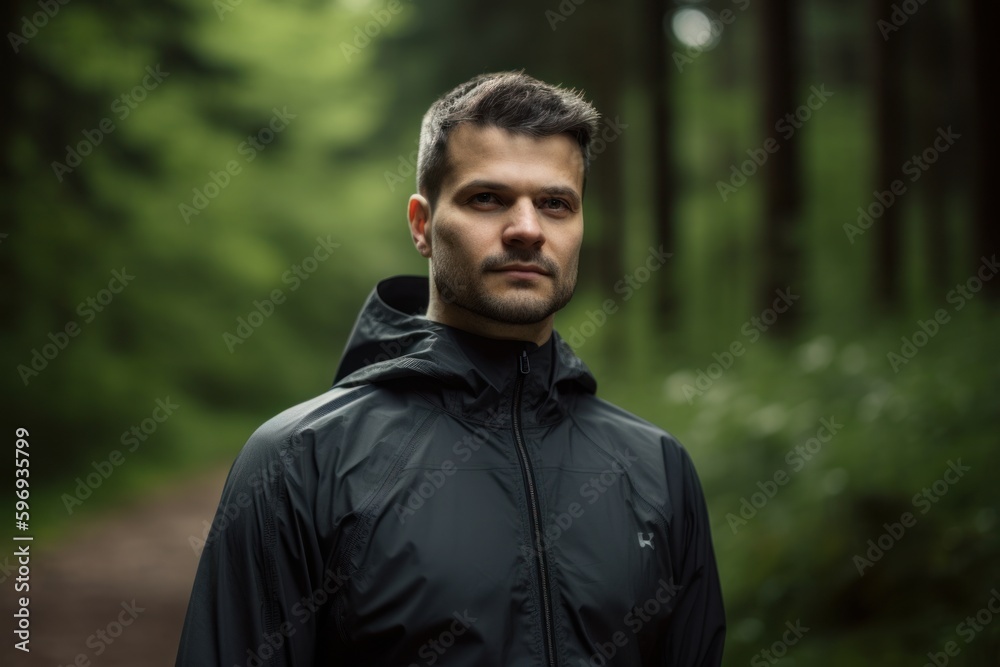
[[462, 372]]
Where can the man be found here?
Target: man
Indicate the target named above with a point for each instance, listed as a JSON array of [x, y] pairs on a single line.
[[461, 496]]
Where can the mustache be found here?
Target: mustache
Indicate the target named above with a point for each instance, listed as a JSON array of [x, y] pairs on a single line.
[[494, 262]]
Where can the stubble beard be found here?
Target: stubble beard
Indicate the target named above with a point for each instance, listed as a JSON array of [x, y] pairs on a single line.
[[464, 285]]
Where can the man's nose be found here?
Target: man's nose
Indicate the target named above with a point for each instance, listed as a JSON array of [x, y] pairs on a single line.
[[523, 226]]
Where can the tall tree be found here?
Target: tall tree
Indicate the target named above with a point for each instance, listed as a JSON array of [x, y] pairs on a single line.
[[605, 87], [983, 16], [934, 108], [656, 82], [887, 94], [782, 180]]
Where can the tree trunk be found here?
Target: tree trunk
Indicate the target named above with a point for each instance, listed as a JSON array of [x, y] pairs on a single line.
[[986, 239], [656, 83], [605, 88], [889, 132], [935, 109], [781, 174]]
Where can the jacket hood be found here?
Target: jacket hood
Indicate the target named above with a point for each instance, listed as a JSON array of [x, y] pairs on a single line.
[[466, 373]]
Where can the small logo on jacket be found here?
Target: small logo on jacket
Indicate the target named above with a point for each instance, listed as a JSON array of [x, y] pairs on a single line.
[[646, 541]]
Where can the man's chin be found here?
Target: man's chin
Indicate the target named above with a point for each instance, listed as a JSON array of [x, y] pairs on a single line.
[[520, 309]]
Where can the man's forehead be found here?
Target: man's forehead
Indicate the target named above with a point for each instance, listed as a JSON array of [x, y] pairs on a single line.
[[488, 152]]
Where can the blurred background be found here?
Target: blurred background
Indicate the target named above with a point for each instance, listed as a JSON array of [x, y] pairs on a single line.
[[199, 195]]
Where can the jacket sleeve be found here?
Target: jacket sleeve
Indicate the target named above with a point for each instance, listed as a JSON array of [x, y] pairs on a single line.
[[697, 628], [259, 596]]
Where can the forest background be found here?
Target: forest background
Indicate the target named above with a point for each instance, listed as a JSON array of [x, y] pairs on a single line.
[[199, 195]]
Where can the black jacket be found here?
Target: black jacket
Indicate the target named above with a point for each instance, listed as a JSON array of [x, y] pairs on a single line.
[[456, 500]]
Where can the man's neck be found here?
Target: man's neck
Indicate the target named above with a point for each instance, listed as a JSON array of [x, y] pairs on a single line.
[[461, 318]]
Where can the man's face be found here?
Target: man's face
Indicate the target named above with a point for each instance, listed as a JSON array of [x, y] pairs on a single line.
[[505, 233]]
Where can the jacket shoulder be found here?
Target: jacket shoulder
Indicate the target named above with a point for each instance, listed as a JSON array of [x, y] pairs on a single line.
[[339, 407], [664, 474], [600, 418], [307, 439]]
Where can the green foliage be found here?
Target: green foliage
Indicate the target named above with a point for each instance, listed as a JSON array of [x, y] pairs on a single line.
[[255, 217]]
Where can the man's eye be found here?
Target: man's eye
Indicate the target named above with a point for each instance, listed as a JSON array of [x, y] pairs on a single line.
[[555, 204], [484, 198]]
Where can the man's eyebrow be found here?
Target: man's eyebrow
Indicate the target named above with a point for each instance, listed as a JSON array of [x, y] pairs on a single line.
[[485, 185], [559, 190], [562, 191]]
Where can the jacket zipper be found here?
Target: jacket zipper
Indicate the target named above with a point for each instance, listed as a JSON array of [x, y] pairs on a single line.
[[536, 515]]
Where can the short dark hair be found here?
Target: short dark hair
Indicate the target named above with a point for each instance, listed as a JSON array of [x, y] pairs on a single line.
[[511, 101]]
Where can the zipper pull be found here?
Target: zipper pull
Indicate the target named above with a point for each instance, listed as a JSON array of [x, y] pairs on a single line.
[[524, 362]]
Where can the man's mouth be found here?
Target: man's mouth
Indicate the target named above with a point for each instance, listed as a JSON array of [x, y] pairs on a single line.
[[522, 270]]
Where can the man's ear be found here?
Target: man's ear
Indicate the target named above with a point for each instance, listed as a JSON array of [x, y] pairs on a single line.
[[418, 212]]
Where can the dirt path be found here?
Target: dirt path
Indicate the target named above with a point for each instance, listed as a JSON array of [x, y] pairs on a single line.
[[133, 566]]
